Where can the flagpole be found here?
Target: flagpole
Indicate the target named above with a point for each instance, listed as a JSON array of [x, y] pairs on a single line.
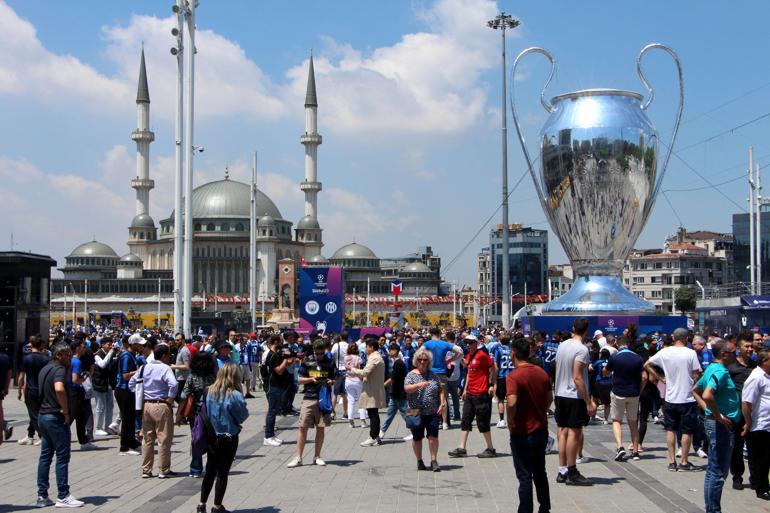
[[367, 301]]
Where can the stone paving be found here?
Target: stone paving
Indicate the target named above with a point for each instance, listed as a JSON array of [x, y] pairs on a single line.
[[375, 479]]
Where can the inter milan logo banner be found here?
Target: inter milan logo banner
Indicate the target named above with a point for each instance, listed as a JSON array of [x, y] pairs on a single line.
[[321, 299]]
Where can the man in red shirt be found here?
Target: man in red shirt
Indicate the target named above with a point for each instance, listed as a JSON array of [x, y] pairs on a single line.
[[480, 385], [529, 397]]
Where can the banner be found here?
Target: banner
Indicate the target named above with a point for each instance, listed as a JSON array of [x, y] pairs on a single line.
[[321, 299]]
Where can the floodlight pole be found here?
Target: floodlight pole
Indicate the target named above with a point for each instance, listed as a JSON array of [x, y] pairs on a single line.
[[502, 22]]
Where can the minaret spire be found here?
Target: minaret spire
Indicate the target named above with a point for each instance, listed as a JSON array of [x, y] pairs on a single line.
[[142, 227], [308, 229]]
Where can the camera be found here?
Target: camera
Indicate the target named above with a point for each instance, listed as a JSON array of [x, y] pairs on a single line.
[[288, 352]]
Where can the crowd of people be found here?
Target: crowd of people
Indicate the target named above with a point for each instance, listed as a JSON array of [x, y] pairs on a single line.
[[710, 393]]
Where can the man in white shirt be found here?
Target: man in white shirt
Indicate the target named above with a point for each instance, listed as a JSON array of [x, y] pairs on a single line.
[[681, 370], [339, 350], [755, 405]]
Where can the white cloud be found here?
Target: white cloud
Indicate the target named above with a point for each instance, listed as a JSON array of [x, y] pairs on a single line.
[[29, 69]]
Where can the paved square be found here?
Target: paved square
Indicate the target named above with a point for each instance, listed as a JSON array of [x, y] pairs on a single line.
[[376, 479]]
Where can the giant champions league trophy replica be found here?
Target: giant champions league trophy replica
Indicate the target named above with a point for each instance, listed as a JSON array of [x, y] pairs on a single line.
[[597, 182]]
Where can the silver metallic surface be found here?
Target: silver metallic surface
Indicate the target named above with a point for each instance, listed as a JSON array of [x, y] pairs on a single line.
[[597, 180]]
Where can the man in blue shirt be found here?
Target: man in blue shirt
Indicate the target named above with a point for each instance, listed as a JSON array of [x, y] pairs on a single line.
[[502, 358], [716, 394], [547, 354], [125, 398], [625, 367], [439, 349], [80, 407]]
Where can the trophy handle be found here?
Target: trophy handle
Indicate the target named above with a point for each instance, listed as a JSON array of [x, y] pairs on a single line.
[[651, 94], [546, 105]]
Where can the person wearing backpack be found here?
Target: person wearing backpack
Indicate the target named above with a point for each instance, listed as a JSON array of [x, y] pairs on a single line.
[[226, 410], [203, 372]]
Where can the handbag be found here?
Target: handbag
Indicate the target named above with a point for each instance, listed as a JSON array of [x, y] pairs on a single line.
[[325, 399], [201, 431], [184, 411], [413, 418]]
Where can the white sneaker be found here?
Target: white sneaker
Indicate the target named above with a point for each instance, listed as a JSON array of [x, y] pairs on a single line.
[[407, 438], [364, 423], [679, 453], [369, 442], [27, 441], [501, 424], [295, 462], [272, 442], [583, 459], [444, 426], [130, 452], [100, 432], [381, 434], [69, 502], [88, 446], [113, 429], [702, 454], [319, 461]]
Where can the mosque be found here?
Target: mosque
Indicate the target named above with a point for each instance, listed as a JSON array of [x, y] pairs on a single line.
[[96, 278]]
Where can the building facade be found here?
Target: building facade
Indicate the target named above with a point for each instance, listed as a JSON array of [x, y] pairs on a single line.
[[221, 224], [527, 260], [655, 275]]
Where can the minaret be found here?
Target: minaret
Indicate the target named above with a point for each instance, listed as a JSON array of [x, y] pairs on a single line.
[[308, 229], [142, 227]]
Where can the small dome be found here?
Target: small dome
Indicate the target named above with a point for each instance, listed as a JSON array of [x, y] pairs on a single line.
[[308, 223], [93, 249], [353, 250], [417, 267], [142, 221], [130, 258], [266, 221], [318, 259]]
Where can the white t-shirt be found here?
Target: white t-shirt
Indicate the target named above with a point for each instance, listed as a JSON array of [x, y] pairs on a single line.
[[569, 351], [756, 390], [339, 350], [678, 364]]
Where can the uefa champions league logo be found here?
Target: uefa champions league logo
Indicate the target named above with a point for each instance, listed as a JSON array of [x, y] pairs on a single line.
[[320, 326]]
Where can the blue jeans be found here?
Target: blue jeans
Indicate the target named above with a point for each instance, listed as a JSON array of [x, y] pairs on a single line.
[[55, 437], [452, 388], [720, 453], [275, 397], [394, 405], [529, 461]]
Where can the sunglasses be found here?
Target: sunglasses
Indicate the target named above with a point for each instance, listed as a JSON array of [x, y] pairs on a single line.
[[422, 360]]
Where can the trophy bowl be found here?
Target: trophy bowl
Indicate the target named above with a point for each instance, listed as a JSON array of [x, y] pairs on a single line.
[[597, 179]]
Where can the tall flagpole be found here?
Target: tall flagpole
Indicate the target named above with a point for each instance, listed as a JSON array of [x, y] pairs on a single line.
[[253, 246], [189, 72], [178, 52], [752, 267], [758, 244], [368, 314]]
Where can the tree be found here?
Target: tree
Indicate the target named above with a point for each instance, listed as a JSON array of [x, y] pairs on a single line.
[[685, 299]]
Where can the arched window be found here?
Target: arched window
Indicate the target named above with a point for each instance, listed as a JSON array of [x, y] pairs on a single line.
[[210, 227], [225, 227], [141, 235], [239, 227]]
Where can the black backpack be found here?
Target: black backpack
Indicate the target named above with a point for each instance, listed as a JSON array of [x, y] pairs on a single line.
[[264, 370]]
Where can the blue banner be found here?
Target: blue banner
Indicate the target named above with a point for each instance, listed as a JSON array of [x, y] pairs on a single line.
[[321, 299]]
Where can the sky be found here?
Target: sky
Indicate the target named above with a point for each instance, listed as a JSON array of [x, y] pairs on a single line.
[[409, 100]]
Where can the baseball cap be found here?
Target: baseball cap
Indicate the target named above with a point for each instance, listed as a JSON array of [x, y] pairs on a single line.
[[598, 333], [471, 338], [319, 344], [136, 338], [223, 344]]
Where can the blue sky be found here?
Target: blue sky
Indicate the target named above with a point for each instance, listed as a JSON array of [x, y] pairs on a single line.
[[409, 107]]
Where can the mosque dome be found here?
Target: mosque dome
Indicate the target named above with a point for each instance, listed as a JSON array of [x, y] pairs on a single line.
[[142, 221], [417, 267], [318, 259], [353, 250], [130, 258], [93, 249], [308, 223], [229, 199]]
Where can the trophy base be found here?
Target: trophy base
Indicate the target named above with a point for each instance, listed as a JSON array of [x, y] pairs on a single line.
[[598, 295]]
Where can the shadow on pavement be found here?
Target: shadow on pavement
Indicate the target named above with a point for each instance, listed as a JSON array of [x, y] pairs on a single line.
[[99, 500], [603, 481], [266, 509], [344, 463]]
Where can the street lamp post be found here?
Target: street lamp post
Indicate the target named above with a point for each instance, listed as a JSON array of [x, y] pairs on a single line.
[[503, 22]]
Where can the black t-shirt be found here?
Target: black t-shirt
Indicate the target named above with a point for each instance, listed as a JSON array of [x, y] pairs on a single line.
[[5, 366], [626, 367], [53, 372], [397, 376], [739, 373], [322, 369], [31, 366], [274, 359]]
